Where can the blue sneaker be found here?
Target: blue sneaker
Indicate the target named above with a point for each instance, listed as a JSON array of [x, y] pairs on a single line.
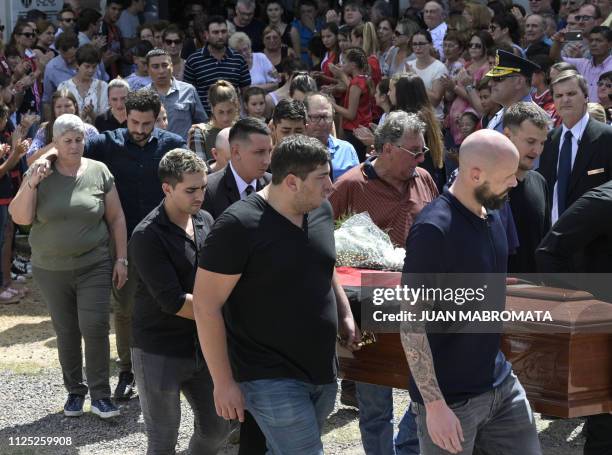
[[104, 408], [74, 405]]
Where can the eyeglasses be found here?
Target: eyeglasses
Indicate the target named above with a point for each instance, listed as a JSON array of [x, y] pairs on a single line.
[[475, 46], [319, 118], [415, 155], [606, 84], [420, 43], [27, 35], [584, 18], [68, 19], [170, 42]]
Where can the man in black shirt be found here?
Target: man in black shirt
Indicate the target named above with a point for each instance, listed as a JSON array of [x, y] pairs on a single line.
[[526, 125], [167, 360], [266, 313], [464, 393]]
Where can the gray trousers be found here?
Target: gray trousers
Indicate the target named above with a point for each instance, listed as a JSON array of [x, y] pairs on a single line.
[[123, 304], [160, 380], [497, 422], [78, 302]]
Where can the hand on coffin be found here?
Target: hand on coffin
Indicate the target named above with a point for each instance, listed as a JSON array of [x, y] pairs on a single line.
[[350, 336]]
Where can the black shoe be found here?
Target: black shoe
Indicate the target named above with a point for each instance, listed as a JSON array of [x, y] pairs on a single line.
[[104, 408], [74, 405], [125, 386]]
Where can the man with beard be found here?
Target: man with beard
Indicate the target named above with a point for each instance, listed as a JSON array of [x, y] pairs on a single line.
[[526, 125], [215, 61], [132, 155], [261, 305], [463, 390]]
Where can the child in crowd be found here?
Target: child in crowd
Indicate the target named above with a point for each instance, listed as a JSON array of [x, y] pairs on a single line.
[[489, 107], [381, 95], [468, 123], [356, 109], [254, 99], [140, 78]]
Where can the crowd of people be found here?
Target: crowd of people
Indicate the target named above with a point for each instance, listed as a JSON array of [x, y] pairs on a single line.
[[142, 153]]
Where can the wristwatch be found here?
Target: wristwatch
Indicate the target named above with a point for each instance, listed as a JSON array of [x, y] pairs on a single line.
[[123, 261]]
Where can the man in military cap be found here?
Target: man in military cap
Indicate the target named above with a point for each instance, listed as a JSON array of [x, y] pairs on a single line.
[[510, 83]]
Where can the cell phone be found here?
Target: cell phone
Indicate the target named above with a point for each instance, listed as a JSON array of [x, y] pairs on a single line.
[[573, 36]]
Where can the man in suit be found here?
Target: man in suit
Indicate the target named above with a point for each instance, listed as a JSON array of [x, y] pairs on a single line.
[[577, 155], [581, 242], [250, 149]]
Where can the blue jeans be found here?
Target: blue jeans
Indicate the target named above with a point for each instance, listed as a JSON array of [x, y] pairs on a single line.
[[499, 421], [376, 423], [290, 413]]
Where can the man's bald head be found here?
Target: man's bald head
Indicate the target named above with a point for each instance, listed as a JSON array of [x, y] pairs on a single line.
[[488, 161], [221, 151]]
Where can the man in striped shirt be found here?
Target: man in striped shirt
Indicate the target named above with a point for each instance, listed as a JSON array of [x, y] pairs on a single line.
[[215, 61]]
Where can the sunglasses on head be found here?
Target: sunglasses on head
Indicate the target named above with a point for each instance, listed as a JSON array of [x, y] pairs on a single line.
[[170, 42]]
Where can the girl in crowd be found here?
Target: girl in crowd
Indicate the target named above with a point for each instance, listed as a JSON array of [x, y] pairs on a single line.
[[140, 78], [356, 110], [46, 37], [74, 210], [62, 102], [26, 84], [116, 115], [91, 94], [454, 47], [401, 52], [145, 33], [274, 48], [303, 29], [290, 67], [274, 13], [255, 102], [429, 69], [407, 92], [263, 73], [364, 37], [301, 85], [225, 110], [381, 96], [24, 39], [329, 36]]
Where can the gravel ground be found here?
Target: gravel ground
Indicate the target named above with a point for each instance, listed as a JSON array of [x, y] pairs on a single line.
[[33, 398], [33, 405]]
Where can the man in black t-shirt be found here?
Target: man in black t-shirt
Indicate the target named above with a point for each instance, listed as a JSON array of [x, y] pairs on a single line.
[[167, 360], [526, 125], [266, 313]]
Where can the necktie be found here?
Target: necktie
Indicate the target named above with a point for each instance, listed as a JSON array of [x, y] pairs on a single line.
[[249, 190], [565, 170]]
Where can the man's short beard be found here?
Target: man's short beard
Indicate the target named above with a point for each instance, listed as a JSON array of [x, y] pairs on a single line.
[[217, 47], [489, 200]]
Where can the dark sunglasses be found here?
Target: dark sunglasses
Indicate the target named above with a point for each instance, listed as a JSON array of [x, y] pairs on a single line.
[[28, 35], [606, 84], [170, 42]]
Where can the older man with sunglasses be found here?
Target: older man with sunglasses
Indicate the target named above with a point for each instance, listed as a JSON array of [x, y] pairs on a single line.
[[510, 83]]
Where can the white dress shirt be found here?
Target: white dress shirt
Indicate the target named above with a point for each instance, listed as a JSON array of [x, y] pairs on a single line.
[[241, 184], [437, 36], [577, 132]]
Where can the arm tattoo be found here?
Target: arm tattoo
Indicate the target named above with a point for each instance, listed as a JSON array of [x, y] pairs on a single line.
[[418, 354]]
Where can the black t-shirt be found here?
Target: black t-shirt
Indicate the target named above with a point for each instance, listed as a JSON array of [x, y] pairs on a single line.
[[531, 213], [281, 316], [254, 31], [107, 122]]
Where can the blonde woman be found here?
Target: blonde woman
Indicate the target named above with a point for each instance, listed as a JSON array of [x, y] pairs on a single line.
[[263, 73], [225, 111]]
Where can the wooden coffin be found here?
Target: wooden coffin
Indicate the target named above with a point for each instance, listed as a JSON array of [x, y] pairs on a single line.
[[565, 365]]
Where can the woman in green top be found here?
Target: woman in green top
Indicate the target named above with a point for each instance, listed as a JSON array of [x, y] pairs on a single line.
[[72, 205]]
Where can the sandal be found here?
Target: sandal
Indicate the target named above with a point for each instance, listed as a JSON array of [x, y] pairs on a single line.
[[8, 297]]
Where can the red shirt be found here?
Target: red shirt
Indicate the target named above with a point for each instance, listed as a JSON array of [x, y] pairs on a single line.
[[364, 109]]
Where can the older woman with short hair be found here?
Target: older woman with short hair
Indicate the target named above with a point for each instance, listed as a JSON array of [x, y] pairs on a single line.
[[72, 205], [263, 73]]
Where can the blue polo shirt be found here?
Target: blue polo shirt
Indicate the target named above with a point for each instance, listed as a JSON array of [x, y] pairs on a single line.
[[134, 168], [342, 155], [447, 238]]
